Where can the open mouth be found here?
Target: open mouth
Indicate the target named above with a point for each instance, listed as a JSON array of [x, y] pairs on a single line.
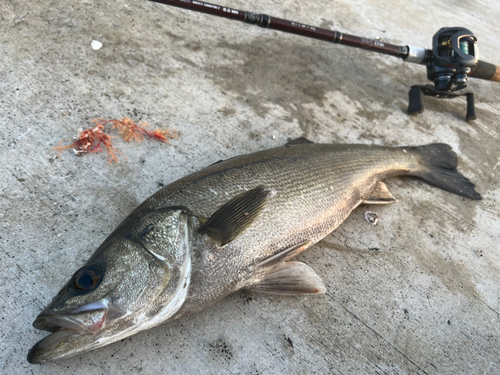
[[65, 326]]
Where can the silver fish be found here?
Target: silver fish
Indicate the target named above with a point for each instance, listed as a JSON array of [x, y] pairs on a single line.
[[233, 225]]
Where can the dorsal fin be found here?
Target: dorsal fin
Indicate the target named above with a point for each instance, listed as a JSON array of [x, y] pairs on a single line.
[[217, 162], [234, 217], [381, 195], [298, 141]]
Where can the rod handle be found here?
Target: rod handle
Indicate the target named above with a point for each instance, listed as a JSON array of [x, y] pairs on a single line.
[[486, 71]]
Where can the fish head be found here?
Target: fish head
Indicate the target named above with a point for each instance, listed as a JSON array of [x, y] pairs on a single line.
[[137, 279]]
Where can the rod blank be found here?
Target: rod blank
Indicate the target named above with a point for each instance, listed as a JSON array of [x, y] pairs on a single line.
[[291, 27]]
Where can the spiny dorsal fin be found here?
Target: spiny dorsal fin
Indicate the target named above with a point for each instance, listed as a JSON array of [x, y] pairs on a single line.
[[298, 141], [234, 217], [381, 195], [284, 254], [290, 278], [217, 162]]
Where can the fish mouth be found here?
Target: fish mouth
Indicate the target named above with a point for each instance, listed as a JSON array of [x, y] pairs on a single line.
[[65, 327]]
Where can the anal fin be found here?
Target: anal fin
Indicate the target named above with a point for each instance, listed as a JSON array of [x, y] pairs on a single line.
[[290, 278], [381, 195]]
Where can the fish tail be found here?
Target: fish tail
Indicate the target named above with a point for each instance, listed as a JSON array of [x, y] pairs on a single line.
[[438, 167]]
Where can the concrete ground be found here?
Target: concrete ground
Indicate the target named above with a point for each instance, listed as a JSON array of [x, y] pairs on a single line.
[[417, 293]]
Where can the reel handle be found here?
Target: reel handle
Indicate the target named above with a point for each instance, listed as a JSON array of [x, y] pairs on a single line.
[[415, 103], [471, 112]]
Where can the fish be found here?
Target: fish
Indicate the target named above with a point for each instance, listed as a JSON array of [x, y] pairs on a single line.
[[234, 225]]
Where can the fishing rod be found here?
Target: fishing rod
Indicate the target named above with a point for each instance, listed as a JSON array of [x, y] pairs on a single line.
[[454, 56]]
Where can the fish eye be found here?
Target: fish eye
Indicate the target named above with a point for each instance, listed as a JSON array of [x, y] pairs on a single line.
[[87, 277]]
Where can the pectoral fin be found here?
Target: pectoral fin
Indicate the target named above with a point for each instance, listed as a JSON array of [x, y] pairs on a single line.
[[233, 218], [381, 195], [290, 278]]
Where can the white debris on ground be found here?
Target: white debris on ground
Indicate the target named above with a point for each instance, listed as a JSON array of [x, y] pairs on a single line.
[[96, 45]]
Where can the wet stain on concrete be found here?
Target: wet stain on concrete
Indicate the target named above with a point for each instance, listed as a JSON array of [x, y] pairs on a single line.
[[456, 212], [277, 72], [452, 275], [455, 277], [481, 145], [227, 111]]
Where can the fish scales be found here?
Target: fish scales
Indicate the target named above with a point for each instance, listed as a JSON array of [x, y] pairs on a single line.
[[309, 202]]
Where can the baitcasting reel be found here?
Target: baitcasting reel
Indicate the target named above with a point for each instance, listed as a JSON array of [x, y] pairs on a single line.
[[454, 56]]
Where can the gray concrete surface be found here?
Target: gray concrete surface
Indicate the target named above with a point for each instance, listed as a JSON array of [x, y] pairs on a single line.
[[416, 294]]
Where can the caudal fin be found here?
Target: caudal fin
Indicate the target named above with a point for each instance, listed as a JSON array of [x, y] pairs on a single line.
[[439, 168]]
